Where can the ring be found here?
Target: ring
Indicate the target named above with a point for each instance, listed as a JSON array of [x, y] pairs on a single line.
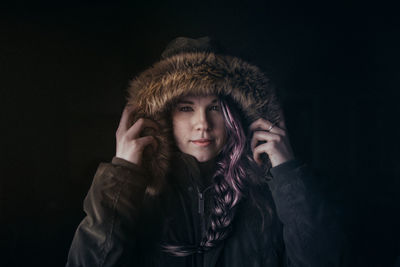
[[270, 127]]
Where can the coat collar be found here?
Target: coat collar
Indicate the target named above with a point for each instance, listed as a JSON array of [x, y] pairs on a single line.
[[187, 171]]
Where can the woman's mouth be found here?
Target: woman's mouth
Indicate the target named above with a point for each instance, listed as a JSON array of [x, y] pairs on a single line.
[[202, 142]]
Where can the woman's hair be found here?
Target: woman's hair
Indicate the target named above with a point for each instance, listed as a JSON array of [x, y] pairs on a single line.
[[229, 179], [231, 183]]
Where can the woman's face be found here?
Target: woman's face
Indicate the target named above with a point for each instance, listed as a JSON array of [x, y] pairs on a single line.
[[198, 126]]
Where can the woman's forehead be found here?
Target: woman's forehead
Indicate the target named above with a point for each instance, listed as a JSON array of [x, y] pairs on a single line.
[[195, 98]]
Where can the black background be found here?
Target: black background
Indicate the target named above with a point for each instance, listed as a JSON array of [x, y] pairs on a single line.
[[65, 66]]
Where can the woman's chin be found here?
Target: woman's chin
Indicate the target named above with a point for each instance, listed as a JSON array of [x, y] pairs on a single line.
[[204, 157]]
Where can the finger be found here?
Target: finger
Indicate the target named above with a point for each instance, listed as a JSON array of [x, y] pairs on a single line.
[[260, 136], [258, 151], [125, 122], [260, 124], [135, 130], [265, 125], [144, 141]]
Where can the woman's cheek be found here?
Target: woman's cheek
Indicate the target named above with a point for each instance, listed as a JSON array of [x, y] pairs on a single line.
[[222, 130]]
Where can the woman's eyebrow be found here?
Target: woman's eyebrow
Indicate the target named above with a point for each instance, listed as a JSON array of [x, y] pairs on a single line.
[[192, 103], [185, 102], [213, 102]]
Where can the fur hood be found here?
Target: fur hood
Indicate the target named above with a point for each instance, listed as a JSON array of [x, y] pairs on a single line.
[[155, 90]]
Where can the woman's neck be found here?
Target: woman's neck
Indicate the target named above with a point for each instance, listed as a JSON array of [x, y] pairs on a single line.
[[207, 170]]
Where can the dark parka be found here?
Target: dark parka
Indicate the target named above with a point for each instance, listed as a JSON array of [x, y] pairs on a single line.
[[132, 210]]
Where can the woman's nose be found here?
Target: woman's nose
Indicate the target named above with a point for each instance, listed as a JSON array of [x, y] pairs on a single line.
[[202, 121]]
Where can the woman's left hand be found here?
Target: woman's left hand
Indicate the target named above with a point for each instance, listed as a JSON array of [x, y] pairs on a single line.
[[275, 142]]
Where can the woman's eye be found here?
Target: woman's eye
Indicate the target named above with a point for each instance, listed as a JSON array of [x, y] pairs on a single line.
[[185, 109], [216, 108]]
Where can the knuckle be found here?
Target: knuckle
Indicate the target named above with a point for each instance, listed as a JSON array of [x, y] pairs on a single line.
[[135, 143], [140, 122], [257, 121]]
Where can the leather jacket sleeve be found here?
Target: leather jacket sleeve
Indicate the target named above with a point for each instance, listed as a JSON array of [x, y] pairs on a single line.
[[311, 231], [105, 237]]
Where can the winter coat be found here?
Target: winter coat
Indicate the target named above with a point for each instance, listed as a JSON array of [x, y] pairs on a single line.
[[123, 227], [131, 210]]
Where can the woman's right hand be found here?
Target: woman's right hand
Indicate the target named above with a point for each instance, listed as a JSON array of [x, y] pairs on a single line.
[[130, 145]]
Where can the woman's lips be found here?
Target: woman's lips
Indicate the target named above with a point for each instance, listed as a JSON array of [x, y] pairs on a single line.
[[202, 142]]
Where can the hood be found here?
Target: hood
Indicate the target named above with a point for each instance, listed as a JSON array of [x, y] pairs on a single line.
[[200, 73]]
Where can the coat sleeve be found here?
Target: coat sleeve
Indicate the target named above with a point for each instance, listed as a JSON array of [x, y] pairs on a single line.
[[105, 237], [311, 231]]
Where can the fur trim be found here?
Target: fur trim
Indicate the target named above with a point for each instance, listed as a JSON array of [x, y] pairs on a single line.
[[155, 90]]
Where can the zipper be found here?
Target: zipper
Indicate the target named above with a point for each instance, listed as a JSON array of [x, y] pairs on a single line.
[[200, 198]]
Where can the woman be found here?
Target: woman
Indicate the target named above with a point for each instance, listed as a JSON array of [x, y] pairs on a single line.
[[204, 175]]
